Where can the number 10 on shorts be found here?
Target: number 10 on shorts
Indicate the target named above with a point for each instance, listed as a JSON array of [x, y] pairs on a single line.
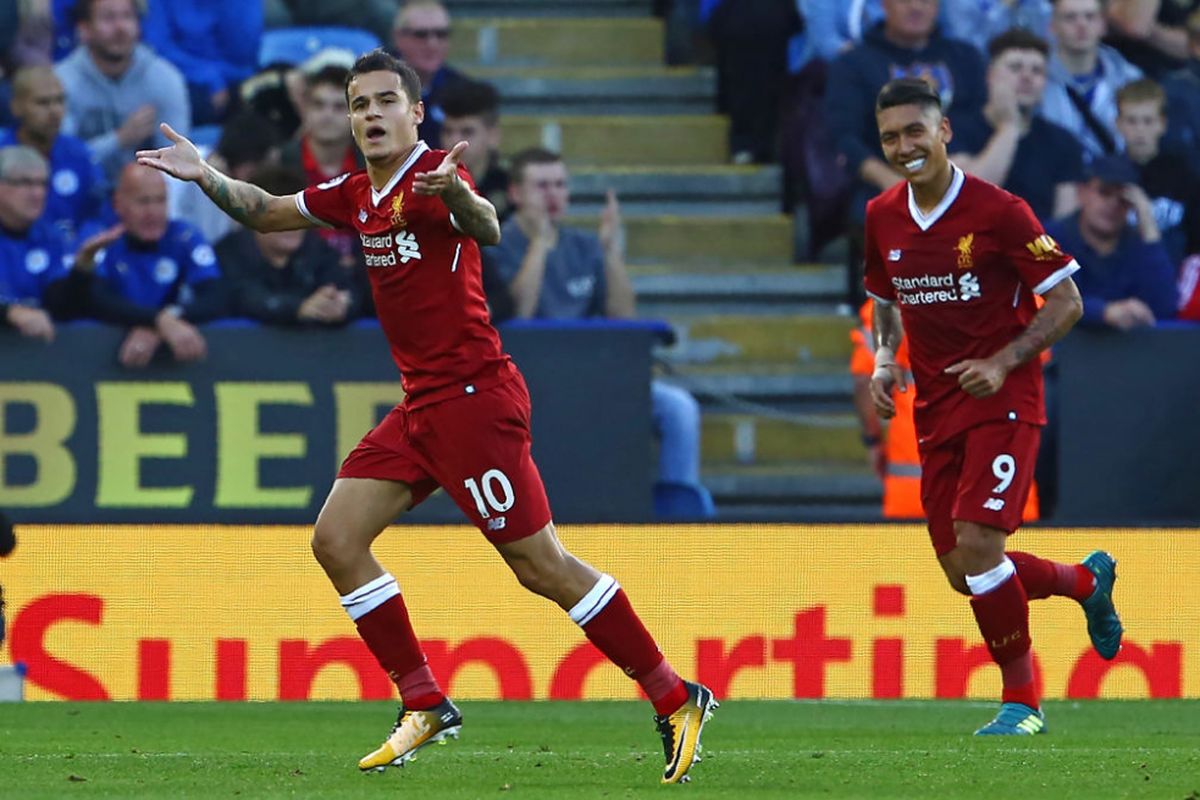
[[492, 491]]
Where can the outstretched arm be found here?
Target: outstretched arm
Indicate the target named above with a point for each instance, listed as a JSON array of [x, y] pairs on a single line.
[[473, 215], [983, 377], [245, 202]]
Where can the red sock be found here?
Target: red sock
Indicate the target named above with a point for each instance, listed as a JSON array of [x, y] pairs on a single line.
[[389, 634], [1003, 618], [610, 623], [1043, 578]]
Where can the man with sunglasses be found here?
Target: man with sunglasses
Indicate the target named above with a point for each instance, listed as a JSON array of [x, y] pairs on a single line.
[[421, 37]]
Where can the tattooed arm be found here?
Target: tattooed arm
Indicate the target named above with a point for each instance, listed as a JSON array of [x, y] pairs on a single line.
[[887, 331], [246, 203], [472, 214], [984, 377]]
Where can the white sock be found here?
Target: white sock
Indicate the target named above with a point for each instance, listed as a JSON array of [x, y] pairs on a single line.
[[595, 600], [370, 596], [992, 579]]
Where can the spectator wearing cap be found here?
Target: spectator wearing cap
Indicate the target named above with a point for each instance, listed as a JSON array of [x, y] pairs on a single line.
[[421, 37], [38, 283], [473, 116], [1127, 279], [1010, 143], [286, 277], [118, 90], [75, 192], [160, 278], [1084, 76], [1167, 177], [214, 44]]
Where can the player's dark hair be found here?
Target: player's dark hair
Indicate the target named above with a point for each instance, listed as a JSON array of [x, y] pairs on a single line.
[[379, 60], [908, 92], [328, 75], [278, 179], [1017, 39], [527, 158], [467, 98], [247, 138]]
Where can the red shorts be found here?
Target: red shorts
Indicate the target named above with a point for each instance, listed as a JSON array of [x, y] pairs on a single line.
[[476, 447], [981, 475]]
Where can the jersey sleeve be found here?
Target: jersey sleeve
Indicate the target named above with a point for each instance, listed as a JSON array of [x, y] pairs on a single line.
[[1039, 261], [328, 204], [875, 278]]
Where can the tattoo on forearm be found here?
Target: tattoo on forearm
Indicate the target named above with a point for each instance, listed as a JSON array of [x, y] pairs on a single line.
[[1049, 324], [476, 217], [887, 330], [244, 202]]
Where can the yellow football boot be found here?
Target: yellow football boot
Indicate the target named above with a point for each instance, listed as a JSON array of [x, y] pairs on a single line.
[[680, 732], [412, 731]]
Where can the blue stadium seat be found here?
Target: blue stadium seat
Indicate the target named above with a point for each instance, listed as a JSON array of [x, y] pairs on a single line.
[[295, 45], [682, 502]]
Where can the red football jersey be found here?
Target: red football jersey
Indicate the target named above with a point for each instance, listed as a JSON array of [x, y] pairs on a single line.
[[965, 276], [426, 279]]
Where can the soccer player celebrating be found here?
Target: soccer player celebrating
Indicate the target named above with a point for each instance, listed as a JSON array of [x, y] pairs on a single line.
[[958, 261], [464, 422]]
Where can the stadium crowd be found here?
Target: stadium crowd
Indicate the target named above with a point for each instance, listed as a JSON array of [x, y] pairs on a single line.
[[86, 233], [1090, 109]]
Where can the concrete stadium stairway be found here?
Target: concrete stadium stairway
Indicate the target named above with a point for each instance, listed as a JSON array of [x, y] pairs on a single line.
[[761, 343]]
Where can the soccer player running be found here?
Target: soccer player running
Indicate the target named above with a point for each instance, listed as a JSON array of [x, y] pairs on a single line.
[[958, 262], [464, 422]]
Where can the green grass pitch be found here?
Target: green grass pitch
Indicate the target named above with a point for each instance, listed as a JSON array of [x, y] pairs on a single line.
[[911, 749]]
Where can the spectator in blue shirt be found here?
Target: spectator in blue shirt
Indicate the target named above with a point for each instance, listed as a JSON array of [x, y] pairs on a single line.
[[214, 44], [421, 37], [906, 44], [76, 184], [1167, 176], [38, 283], [1010, 143], [1084, 76], [1127, 279], [160, 278], [553, 271], [118, 90]]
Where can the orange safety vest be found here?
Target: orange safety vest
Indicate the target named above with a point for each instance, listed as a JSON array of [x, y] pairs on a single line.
[[902, 482]]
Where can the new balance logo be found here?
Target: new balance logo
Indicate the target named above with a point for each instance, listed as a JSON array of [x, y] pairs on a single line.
[[496, 523], [993, 504], [893, 255]]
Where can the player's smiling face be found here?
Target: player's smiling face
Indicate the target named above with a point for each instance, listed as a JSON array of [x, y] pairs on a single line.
[[383, 118], [914, 141]]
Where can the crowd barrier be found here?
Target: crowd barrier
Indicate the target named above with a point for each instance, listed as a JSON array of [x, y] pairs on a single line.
[[754, 611], [255, 432]]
